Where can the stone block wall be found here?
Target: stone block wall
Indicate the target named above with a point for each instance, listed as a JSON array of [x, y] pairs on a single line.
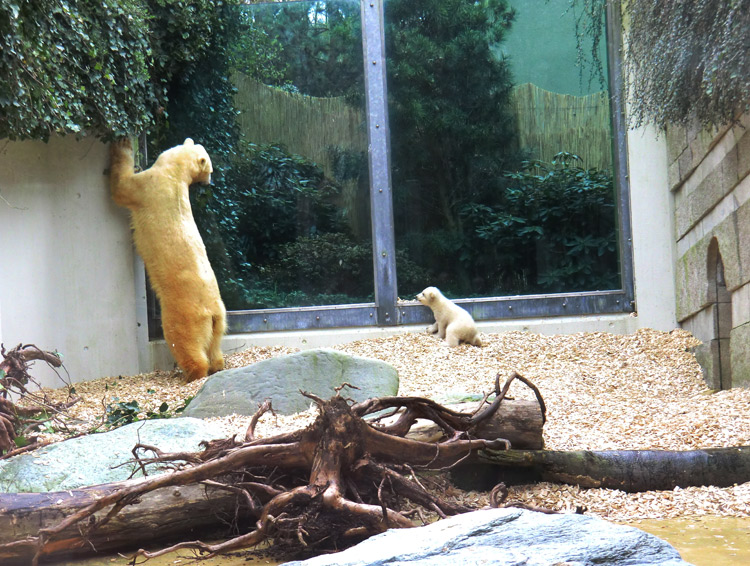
[[709, 178]]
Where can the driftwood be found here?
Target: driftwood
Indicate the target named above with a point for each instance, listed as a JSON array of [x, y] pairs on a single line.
[[629, 470], [343, 478]]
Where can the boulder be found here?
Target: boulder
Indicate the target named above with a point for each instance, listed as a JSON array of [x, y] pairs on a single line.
[[100, 458], [508, 537], [320, 371]]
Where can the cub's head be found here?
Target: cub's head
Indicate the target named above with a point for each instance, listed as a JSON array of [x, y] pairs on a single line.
[[428, 296]]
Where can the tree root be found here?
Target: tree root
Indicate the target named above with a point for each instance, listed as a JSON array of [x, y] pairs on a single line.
[[14, 378], [340, 480]]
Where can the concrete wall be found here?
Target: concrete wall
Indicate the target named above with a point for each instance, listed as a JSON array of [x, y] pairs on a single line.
[[68, 277], [708, 175], [651, 211]]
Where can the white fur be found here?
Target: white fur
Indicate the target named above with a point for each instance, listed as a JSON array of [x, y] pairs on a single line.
[[452, 322]]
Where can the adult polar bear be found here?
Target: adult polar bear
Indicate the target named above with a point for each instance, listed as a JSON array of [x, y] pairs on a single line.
[[166, 237]]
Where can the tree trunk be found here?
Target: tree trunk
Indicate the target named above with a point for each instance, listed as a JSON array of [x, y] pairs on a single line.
[[518, 421], [162, 514], [630, 470]]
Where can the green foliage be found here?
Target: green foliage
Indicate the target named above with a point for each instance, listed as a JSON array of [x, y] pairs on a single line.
[[120, 413], [264, 201], [452, 132], [259, 54], [555, 225], [329, 264], [98, 68], [449, 100], [684, 60], [43, 422], [309, 47], [688, 60]]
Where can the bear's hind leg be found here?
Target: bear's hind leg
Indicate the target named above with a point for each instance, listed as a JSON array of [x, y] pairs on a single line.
[[193, 367], [188, 339], [215, 355], [451, 337]]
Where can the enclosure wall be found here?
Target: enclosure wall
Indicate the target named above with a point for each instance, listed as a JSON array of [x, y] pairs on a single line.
[[709, 177], [652, 220], [68, 277]]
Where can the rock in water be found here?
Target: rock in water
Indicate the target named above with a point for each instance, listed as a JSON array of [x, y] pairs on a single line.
[[320, 371], [508, 537]]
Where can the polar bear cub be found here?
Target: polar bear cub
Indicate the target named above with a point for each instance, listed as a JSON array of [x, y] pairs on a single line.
[[167, 238], [452, 322]]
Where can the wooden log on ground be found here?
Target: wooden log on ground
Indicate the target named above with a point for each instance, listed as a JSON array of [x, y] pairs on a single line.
[[173, 512], [630, 470], [516, 420], [160, 515]]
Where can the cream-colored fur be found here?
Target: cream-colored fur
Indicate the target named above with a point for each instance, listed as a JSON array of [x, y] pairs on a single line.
[[452, 322], [166, 237]]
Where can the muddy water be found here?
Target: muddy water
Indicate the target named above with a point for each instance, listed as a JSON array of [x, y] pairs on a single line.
[[702, 541]]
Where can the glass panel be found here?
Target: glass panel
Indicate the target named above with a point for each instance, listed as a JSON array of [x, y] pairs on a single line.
[[501, 150], [286, 221]]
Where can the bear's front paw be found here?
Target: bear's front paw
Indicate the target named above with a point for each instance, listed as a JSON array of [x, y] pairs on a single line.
[[123, 145]]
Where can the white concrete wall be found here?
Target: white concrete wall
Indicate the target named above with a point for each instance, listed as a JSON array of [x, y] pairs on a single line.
[[67, 281], [652, 222]]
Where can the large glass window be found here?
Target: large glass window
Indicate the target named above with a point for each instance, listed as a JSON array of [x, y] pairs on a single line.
[[374, 148], [501, 150], [304, 232], [287, 222]]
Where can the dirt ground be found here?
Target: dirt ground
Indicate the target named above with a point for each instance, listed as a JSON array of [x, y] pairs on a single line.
[[602, 391]]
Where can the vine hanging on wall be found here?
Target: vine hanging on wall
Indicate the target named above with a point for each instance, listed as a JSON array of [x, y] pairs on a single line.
[[683, 60], [99, 68]]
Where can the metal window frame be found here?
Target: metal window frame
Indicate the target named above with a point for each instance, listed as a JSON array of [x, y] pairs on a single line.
[[388, 310]]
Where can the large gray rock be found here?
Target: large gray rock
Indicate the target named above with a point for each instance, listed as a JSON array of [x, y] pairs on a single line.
[[280, 379], [508, 537], [100, 458]]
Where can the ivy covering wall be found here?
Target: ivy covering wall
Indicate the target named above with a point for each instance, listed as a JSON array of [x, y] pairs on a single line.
[[685, 60], [103, 68], [96, 67]]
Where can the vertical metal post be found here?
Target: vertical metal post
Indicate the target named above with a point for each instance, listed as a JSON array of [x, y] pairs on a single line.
[[381, 201], [620, 146]]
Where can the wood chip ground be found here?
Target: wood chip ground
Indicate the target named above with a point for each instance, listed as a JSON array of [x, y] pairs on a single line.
[[603, 391]]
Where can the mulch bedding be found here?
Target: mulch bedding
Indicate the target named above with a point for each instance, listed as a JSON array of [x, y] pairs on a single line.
[[602, 391]]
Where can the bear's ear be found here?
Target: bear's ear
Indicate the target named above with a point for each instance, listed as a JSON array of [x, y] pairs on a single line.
[[189, 141]]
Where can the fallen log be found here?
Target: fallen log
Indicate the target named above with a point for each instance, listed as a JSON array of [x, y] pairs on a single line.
[[628, 470], [339, 480], [161, 515], [519, 422], [180, 510]]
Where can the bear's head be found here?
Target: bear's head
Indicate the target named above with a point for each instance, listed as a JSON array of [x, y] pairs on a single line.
[[191, 159], [428, 296], [201, 162]]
